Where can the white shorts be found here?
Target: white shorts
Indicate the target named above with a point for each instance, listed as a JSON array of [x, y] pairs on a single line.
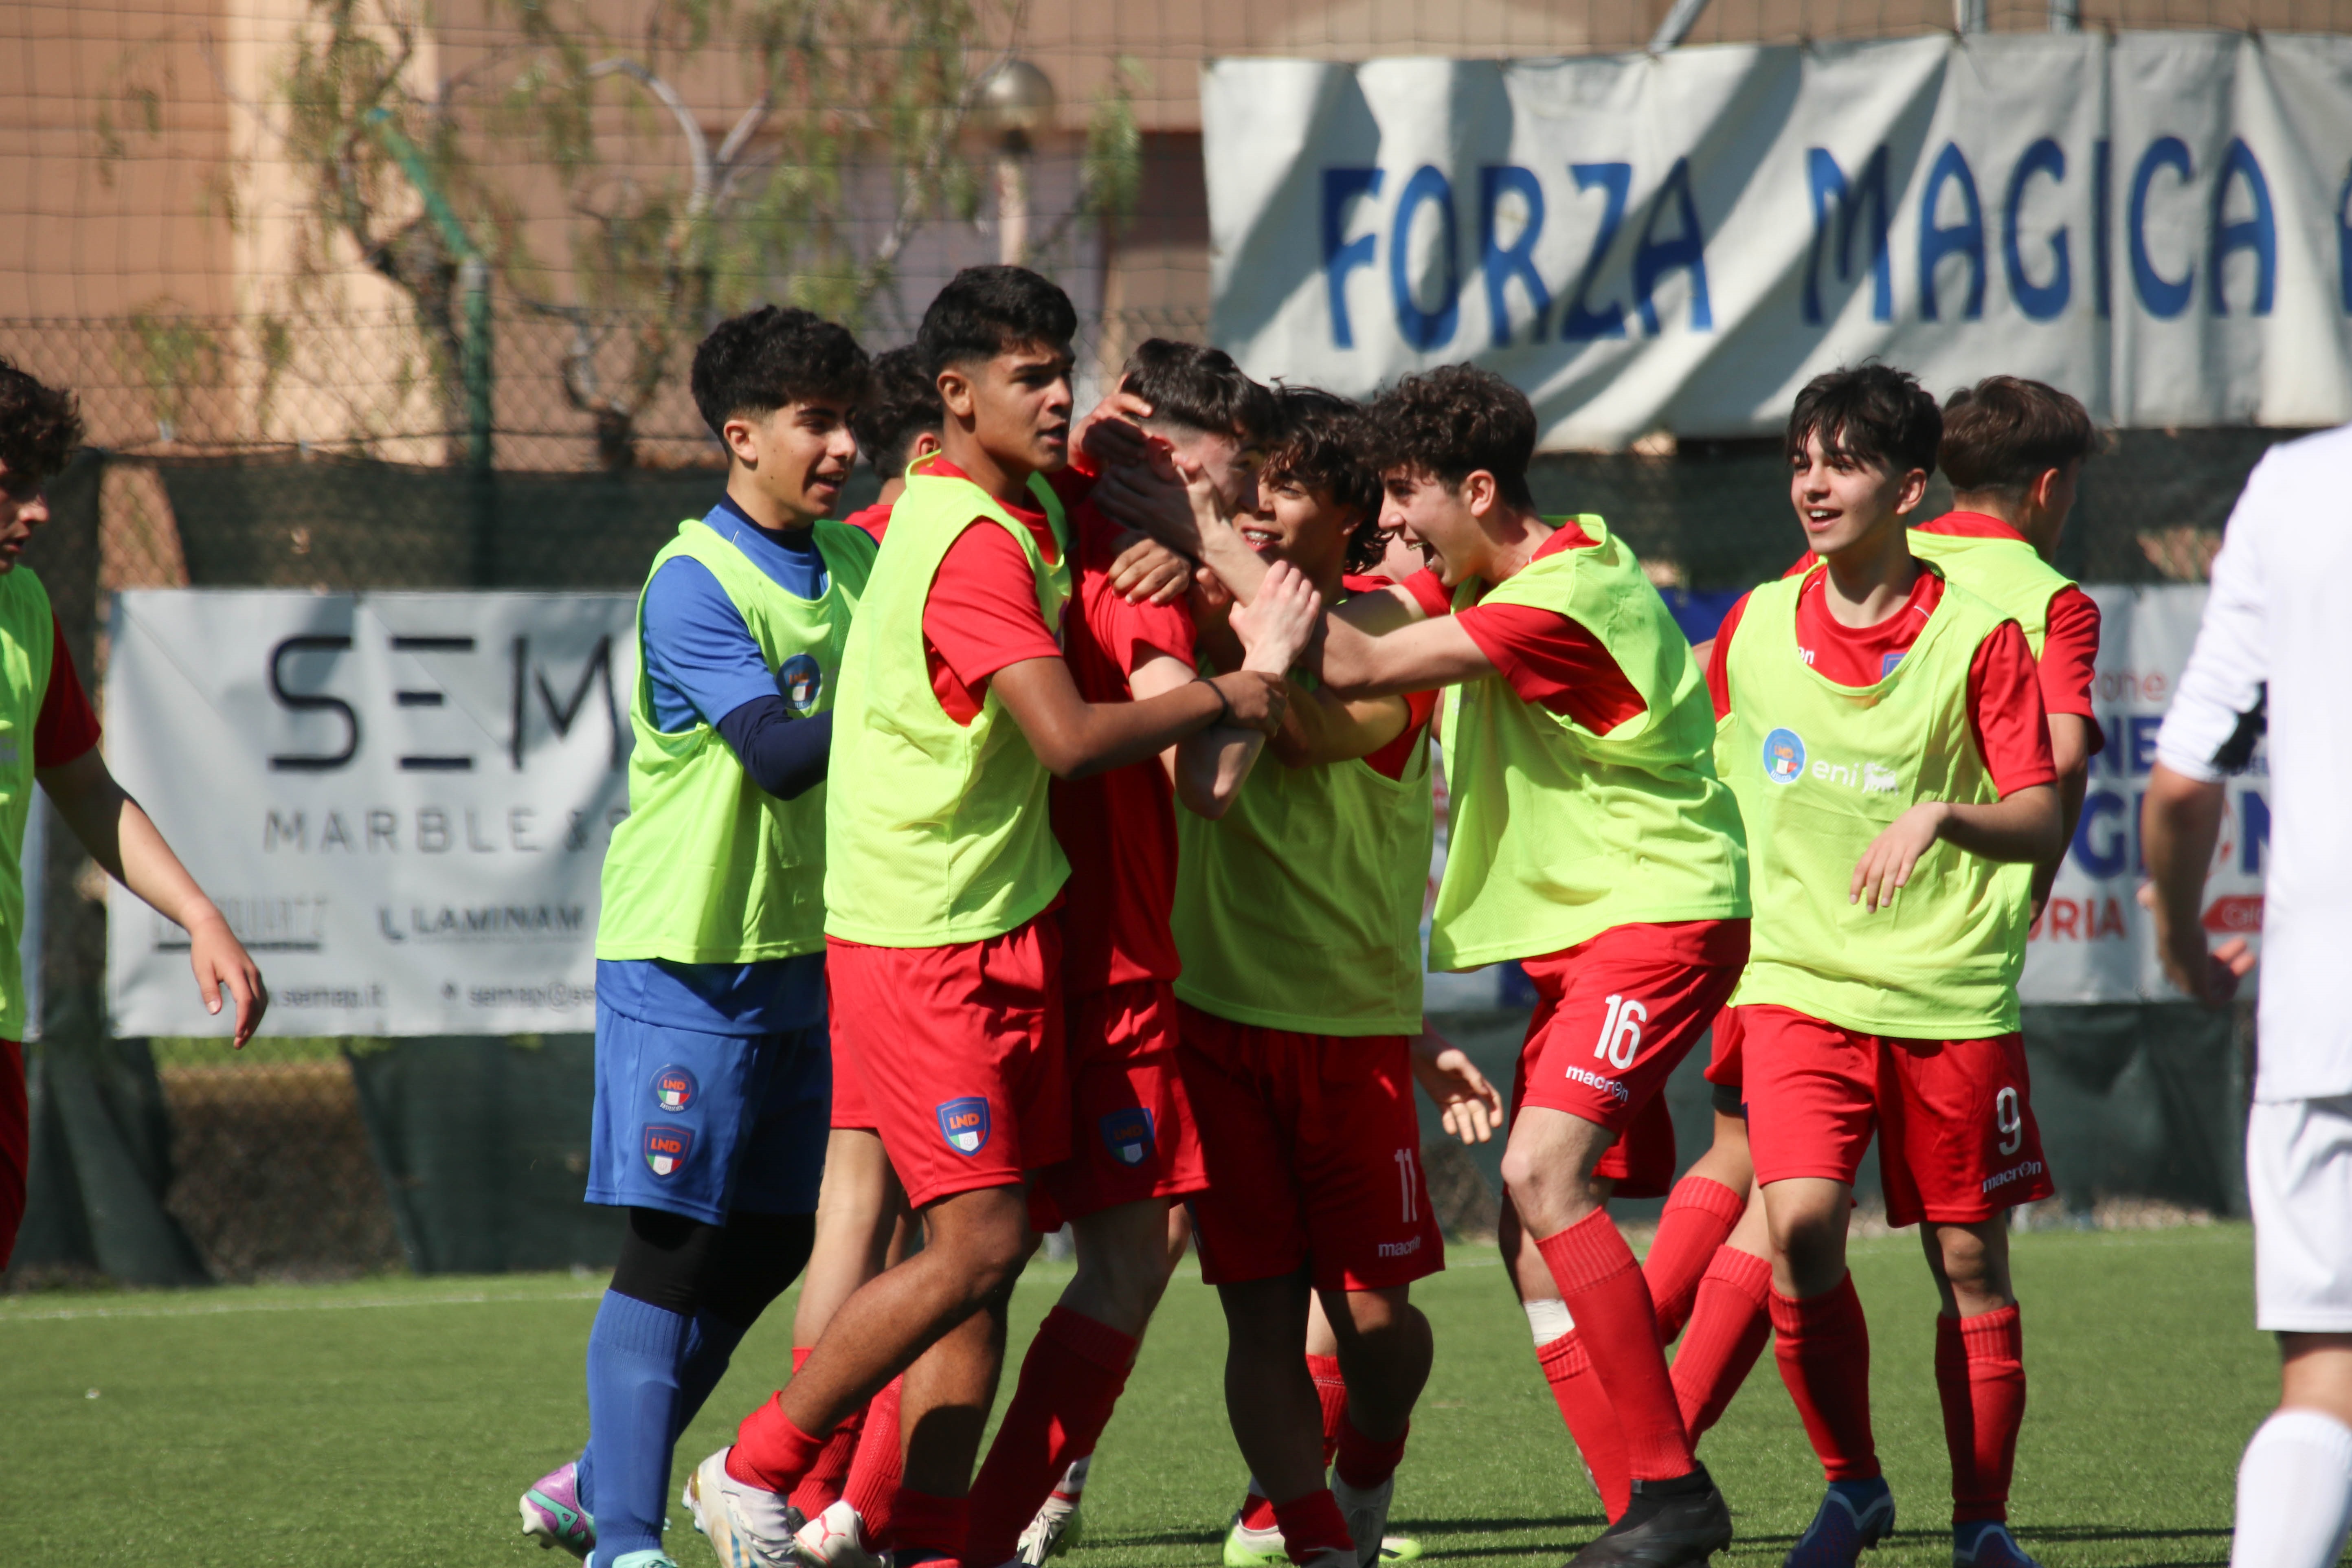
[[2299, 1180]]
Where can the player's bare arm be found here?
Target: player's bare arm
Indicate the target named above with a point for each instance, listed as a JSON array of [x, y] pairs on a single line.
[[1208, 766], [2178, 824], [2021, 826], [1078, 738], [1468, 1106], [124, 842], [2070, 754]]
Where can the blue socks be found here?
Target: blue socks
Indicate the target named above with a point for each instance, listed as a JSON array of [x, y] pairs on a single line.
[[709, 1346], [636, 1355], [707, 1350]]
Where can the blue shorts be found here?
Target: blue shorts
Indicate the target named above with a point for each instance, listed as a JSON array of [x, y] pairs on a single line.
[[705, 1125]]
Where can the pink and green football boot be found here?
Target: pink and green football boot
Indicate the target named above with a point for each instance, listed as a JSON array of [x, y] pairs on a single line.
[[552, 1511]]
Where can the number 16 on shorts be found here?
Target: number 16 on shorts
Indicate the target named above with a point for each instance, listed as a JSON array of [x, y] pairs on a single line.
[[1621, 1032]]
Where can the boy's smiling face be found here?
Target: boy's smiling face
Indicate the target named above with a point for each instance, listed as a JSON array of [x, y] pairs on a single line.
[[1844, 499]]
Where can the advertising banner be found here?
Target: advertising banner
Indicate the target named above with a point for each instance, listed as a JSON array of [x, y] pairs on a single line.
[[2156, 221], [399, 800]]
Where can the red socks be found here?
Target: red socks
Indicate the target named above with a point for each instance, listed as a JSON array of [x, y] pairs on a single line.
[[1606, 1294], [1823, 1347], [1313, 1524], [1584, 1405], [1980, 1375], [871, 1488], [1731, 1320], [1070, 1381], [770, 1451], [1258, 1511], [1331, 1391], [926, 1524], [821, 1488], [1697, 1220], [1364, 1463]]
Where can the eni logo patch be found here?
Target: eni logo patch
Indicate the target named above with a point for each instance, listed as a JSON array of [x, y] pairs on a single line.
[[800, 683], [1877, 778], [674, 1088], [964, 1123], [1126, 1134], [1784, 756], [666, 1148]]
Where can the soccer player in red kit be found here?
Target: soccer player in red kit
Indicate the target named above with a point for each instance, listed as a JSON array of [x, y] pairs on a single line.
[[942, 882], [1135, 1147], [861, 1216], [1588, 837], [2013, 451], [40, 697], [1876, 716]]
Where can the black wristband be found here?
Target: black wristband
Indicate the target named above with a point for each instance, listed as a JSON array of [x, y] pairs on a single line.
[[1224, 705]]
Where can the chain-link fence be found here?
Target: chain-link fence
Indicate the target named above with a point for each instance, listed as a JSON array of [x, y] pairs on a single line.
[[358, 296]]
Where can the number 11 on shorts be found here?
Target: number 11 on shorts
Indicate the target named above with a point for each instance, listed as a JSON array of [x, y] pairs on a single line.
[[1405, 1183], [1621, 1033]]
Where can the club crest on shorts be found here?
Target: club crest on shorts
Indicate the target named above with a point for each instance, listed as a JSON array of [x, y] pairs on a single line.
[[674, 1088], [800, 681], [666, 1148], [964, 1123], [1128, 1135], [1784, 756]]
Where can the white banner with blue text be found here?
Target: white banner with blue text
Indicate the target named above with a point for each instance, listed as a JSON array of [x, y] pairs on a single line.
[[2160, 223], [399, 800]]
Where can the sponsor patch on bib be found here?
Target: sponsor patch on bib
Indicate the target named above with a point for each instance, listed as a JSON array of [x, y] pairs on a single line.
[[1784, 756]]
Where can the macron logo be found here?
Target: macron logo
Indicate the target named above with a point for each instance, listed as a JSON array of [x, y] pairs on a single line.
[[1400, 1248], [1608, 1086]]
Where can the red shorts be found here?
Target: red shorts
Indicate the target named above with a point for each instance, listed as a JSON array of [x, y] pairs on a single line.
[[1132, 1135], [15, 1145], [1960, 1144], [852, 1111], [1614, 1016], [1313, 1155], [959, 1051], [1725, 1068]]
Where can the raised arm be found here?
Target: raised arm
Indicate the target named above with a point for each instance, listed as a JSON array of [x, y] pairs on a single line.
[[1076, 739], [1208, 767], [124, 842]]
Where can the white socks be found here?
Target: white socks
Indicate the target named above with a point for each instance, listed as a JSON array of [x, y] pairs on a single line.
[[2295, 1492], [1548, 1319]]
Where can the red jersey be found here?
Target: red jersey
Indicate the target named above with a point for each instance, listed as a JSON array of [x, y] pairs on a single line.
[[873, 519], [1119, 829], [981, 614], [1392, 760], [1548, 658], [2005, 711], [65, 727]]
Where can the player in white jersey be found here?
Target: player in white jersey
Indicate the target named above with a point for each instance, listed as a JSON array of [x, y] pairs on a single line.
[[2269, 652]]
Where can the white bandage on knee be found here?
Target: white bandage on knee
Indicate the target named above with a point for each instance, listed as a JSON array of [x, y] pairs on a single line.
[[2295, 1492], [1547, 1320]]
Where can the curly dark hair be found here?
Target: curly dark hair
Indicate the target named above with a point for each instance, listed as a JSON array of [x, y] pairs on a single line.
[[1323, 442], [2006, 432], [1198, 388], [40, 426], [902, 404], [985, 310], [762, 360], [1457, 420], [1870, 410]]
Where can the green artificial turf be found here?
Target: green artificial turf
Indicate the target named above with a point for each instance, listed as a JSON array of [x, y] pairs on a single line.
[[394, 1422]]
